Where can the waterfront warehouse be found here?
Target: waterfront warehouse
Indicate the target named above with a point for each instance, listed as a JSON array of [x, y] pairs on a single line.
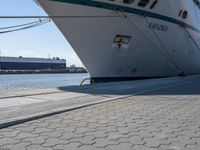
[[20, 63]]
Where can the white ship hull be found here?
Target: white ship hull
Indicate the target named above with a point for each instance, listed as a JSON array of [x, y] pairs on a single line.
[[161, 43]]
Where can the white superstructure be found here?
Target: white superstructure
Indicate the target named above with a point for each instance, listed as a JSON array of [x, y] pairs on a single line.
[[127, 39]]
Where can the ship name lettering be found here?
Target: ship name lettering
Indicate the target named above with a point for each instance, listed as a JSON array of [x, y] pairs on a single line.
[[158, 27]]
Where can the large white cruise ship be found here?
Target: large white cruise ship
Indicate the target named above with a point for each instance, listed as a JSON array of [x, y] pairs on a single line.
[[131, 39]]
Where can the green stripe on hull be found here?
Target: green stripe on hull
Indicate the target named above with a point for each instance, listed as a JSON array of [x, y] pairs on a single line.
[[129, 10]]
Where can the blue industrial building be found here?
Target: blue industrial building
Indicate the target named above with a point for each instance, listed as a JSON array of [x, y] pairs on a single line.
[[20, 63]]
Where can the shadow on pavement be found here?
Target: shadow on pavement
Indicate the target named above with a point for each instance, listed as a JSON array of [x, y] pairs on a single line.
[[145, 88]]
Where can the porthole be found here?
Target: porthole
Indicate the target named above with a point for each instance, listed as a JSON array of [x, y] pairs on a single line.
[[143, 3], [185, 14]]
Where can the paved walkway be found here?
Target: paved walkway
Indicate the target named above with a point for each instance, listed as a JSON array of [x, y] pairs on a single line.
[[140, 115]]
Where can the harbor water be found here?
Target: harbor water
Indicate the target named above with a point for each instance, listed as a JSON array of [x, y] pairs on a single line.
[[34, 81]]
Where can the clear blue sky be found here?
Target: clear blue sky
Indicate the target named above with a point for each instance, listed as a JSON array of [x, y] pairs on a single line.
[[36, 42]]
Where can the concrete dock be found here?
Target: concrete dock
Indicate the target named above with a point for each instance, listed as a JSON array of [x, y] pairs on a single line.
[[156, 114]]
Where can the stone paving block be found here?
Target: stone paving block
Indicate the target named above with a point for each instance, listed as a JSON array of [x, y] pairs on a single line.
[[189, 133], [81, 130], [23, 135], [54, 134], [40, 130], [43, 125], [38, 147], [89, 147], [70, 146], [165, 141], [1, 136], [102, 142], [9, 134], [107, 129], [121, 146], [98, 134], [162, 136], [19, 146], [83, 124], [119, 123], [152, 143], [54, 141], [123, 130], [9, 129], [29, 128], [142, 147], [196, 134], [67, 136], [196, 140], [193, 147], [183, 139], [144, 134], [68, 129], [86, 140], [153, 128], [174, 146], [116, 136], [136, 140], [6, 141], [79, 135], [55, 126], [96, 125], [36, 140]]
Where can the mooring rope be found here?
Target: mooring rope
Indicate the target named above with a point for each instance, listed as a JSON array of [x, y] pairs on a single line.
[[24, 26], [21, 25]]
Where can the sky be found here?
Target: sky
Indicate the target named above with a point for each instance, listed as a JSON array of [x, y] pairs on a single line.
[[42, 41]]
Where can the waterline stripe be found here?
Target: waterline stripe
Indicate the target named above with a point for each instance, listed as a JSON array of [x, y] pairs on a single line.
[[109, 6]]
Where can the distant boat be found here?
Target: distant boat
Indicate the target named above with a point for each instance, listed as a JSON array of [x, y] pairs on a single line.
[[131, 39]]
